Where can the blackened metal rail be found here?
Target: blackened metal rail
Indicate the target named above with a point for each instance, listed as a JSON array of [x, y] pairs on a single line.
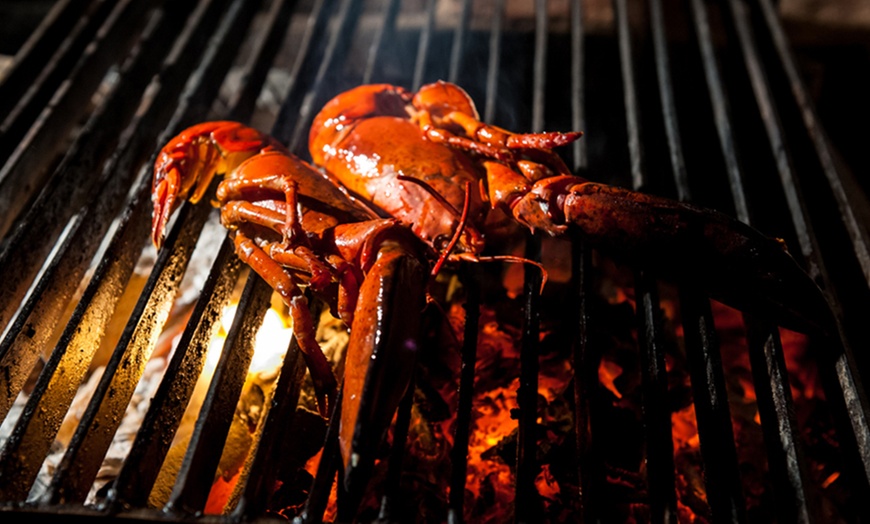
[[117, 264], [37, 51], [656, 411], [27, 166]]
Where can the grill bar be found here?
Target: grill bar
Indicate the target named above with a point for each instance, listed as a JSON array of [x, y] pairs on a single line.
[[336, 46], [136, 479], [588, 471], [45, 220], [306, 63], [97, 427], [423, 46], [527, 501], [104, 290], [36, 92], [69, 185], [385, 31], [853, 392], [329, 465], [719, 101], [277, 430], [267, 43], [456, 51], [94, 434], [807, 239], [857, 230], [459, 452], [397, 454], [28, 165], [578, 90], [656, 412], [212, 426], [777, 423], [492, 69], [38, 49], [785, 453]]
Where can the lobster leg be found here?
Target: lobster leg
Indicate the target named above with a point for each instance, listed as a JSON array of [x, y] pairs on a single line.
[[238, 212], [304, 327], [380, 356]]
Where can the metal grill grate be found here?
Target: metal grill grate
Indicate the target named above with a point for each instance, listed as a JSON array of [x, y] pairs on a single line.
[[714, 108]]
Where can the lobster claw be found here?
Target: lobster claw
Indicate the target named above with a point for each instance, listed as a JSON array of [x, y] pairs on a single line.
[[380, 358], [166, 196]]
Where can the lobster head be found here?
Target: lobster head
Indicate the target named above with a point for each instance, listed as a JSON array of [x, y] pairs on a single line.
[[187, 164], [337, 117]]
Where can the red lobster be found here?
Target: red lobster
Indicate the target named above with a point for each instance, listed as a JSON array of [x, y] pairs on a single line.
[[293, 227], [427, 160], [412, 155]]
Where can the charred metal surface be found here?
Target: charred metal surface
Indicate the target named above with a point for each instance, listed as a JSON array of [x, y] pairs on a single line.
[[93, 436], [721, 474], [392, 493], [38, 49], [385, 31], [328, 469], [95, 431], [277, 433], [136, 478], [459, 453], [83, 239], [33, 237], [37, 91], [585, 374], [775, 407], [423, 46], [578, 60], [492, 69], [336, 46], [527, 499], [656, 412], [45, 221], [28, 165], [809, 246], [35, 430]]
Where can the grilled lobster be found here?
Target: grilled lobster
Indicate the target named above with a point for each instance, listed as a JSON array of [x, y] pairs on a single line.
[[293, 227], [427, 160], [412, 155]]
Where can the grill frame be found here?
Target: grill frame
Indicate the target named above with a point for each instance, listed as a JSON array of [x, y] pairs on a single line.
[[326, 42]]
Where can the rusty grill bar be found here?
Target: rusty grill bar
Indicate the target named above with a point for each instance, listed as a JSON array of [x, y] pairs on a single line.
[[169, 60]]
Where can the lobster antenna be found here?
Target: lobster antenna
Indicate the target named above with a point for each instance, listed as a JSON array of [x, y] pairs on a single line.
[[463, 220], [518, 260], [435, 194]]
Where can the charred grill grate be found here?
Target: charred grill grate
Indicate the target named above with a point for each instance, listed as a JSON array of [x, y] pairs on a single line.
[[729, 68]]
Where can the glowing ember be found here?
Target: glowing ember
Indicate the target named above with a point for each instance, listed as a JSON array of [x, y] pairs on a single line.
[[609, 371], [547, 485]]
